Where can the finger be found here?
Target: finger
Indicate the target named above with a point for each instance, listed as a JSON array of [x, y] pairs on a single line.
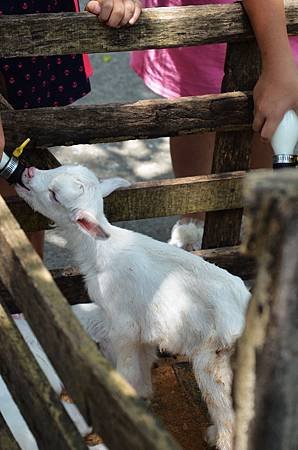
[[258, 122], [117, 15], [106, 10], [136, 14], [93, 7], [269, 128], [129, 9]]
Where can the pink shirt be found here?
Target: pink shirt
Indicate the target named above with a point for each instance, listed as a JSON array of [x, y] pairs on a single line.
[[184, 71]]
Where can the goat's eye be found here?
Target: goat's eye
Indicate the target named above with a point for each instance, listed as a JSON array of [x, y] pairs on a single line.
[[53, 196]]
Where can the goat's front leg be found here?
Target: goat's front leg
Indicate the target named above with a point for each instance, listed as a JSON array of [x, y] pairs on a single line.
[[147, 356], [129, 363]]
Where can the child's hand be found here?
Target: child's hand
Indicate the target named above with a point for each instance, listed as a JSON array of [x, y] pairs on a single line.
[[274, 94], [115, 13]]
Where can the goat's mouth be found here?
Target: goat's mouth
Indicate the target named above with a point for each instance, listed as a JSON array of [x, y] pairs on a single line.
[[26, 176], [22, 187]]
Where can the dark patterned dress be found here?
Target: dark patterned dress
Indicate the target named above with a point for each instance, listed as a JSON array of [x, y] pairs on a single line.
[[43, 80]]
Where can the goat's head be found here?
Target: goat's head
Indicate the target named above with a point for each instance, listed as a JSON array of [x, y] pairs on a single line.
[[69, 194]]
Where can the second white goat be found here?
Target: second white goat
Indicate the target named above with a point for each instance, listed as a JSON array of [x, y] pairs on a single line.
[[151, 294]]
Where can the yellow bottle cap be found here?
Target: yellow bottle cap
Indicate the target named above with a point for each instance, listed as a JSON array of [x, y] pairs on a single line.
[[19, 150]]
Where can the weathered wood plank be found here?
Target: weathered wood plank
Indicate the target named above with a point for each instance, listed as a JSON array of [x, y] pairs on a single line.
[[144, 119], [4, 105], [231, 259], [7, 441], [158, 198], [95, 387], [265, 387], [232, 150], [178, 196], [33, 155], [45, 34], [285, 184], [39, 157], [37, 401], [71, 283]]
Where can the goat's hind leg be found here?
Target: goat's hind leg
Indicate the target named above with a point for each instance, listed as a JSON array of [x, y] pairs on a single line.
[[214, 377], [133, 364]]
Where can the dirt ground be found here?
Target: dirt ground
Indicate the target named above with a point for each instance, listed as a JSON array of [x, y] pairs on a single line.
[[178, 403]]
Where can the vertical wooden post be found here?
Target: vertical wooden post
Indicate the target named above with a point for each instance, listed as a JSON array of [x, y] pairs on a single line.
[[7, 441], [265, 381], [232, 149]]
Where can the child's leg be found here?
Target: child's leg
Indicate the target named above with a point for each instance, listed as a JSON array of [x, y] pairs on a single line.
[[191, 156], [36, 238]]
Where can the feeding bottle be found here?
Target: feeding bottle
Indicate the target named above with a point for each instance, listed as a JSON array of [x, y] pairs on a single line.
[[285, 142], [11, 169]]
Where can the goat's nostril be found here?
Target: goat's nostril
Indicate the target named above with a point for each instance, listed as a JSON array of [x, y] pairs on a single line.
[[31, 172]]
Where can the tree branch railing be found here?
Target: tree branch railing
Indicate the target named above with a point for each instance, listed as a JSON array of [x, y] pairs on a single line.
[[145, 119], [45, 34], [157, 198]]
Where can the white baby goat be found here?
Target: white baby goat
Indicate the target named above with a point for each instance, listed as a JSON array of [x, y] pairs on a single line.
[[152, 294]]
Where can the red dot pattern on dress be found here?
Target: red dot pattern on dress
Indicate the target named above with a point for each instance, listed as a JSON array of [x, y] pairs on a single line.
[[43, 80]]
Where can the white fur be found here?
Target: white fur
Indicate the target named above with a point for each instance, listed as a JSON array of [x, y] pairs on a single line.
[[152, 294], [187, 235], [90, 318]]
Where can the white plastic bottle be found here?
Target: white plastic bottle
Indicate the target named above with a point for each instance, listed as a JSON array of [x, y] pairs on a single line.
[[11, 169], [285, 142]]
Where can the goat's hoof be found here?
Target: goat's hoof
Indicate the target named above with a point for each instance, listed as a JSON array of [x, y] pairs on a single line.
[[187, 235]]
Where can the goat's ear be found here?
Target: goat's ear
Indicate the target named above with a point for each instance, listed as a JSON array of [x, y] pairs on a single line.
[[111, 184], [89, 224]]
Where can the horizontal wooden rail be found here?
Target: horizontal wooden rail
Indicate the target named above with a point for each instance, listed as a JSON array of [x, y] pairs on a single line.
[[45, 34], [157, 198], [119, 122], [72, 286], [231, 259], [51, 426], [104, 398]]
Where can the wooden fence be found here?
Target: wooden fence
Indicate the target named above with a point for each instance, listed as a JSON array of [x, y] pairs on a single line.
[[265, 384], [26, 284]]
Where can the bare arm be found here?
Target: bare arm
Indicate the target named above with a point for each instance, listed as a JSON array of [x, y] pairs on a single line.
[[277, 89]]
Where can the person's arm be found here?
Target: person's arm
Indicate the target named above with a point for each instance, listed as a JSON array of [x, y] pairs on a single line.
[[115, 13], [277, 88]]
